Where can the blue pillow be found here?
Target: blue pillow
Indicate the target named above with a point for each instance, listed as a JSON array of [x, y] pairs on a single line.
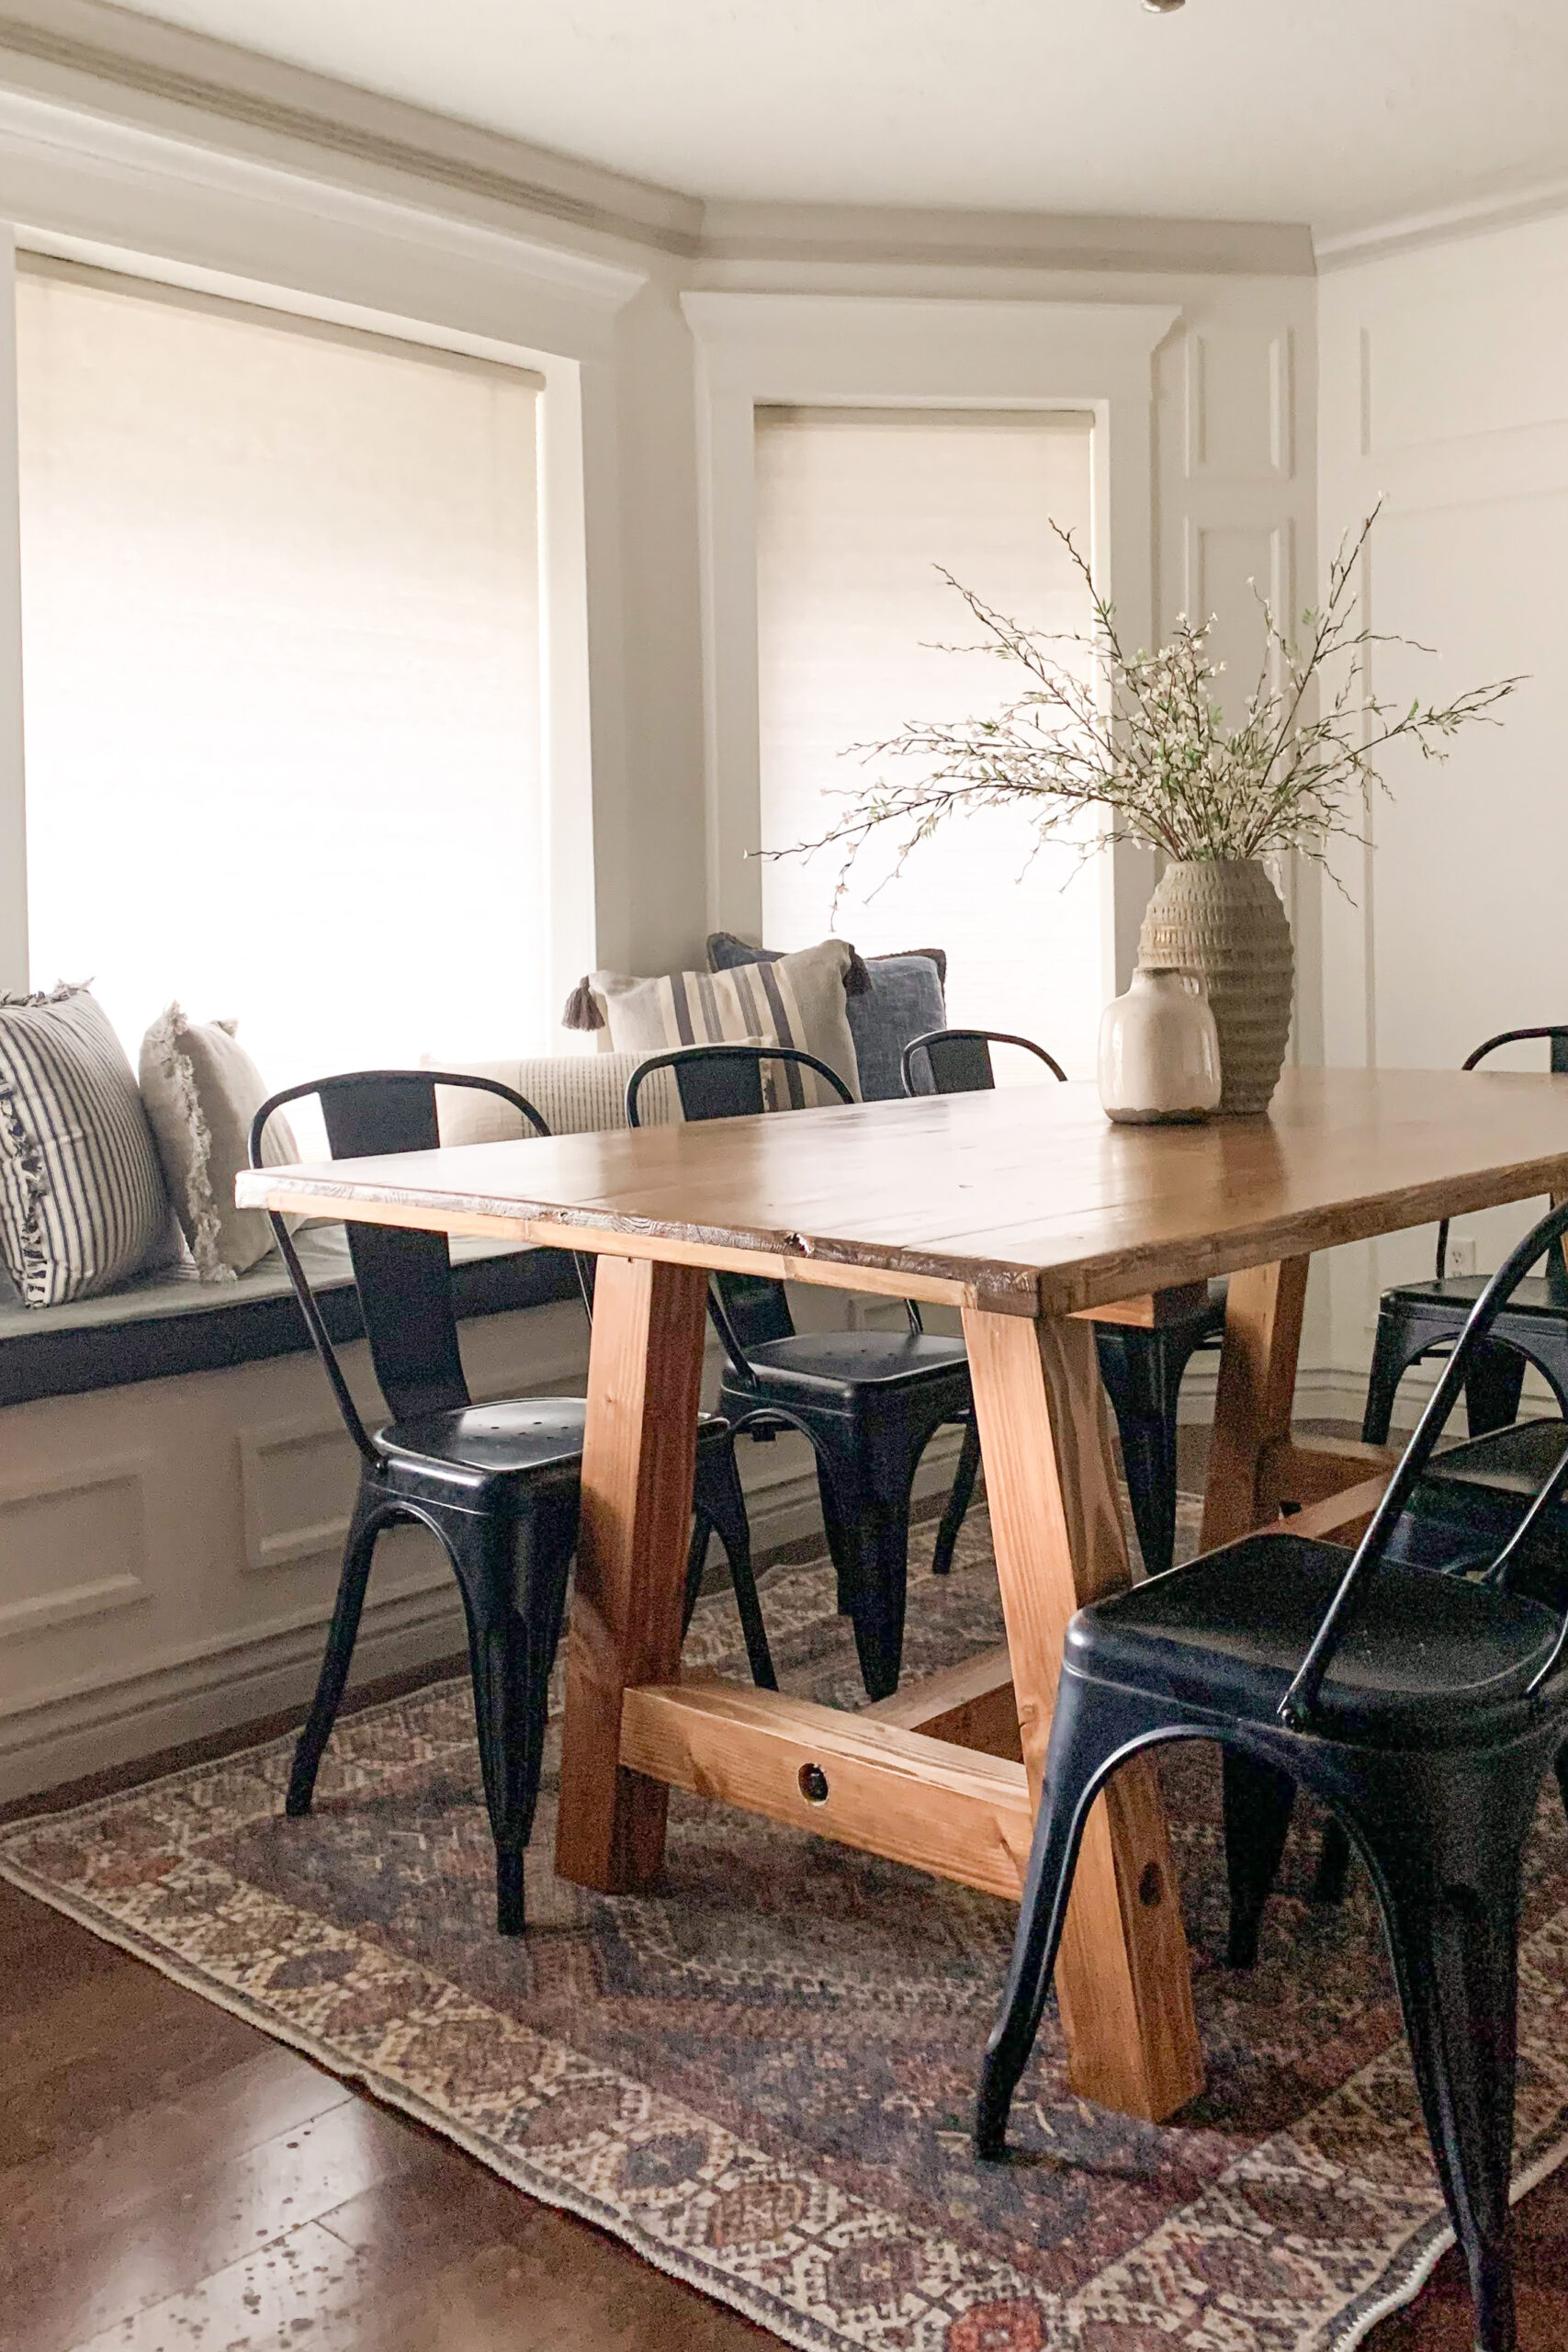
[[904, 1002]]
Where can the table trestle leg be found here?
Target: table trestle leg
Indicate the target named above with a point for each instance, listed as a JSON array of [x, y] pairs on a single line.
[[1123, 1979]]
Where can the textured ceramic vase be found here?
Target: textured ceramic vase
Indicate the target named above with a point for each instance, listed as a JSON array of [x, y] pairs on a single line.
[[1223, 920], [1160, 1052]]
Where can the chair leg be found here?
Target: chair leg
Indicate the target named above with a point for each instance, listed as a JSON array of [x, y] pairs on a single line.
[[365, 1525], [512, 1638], [842, 1529], [696, 1561], [1148, 1453], [1452, 1924], [1138, 1380], [1258, 1801], [961, 1493], [1087, 1729], [1334, 1858], [1388, 1367], [1492, 1389], [876, 1604], [721, 1503]]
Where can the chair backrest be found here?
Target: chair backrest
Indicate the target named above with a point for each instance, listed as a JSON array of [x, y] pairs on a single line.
[[726, 1082], [1297, 1706], [403, 1277], [958, 1061], [1555, 1272]]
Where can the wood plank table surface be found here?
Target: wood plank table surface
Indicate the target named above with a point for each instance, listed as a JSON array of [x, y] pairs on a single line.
[[1025, 1209]]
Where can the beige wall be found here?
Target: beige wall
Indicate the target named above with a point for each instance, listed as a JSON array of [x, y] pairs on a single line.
[[1444, 392]]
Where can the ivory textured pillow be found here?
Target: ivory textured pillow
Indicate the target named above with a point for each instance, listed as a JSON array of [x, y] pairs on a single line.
[[574, 1094], [798, 1000], [82, 1200], [202, 1090]]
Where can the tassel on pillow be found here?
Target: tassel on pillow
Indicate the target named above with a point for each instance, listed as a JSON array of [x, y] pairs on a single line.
[[583, 1010]]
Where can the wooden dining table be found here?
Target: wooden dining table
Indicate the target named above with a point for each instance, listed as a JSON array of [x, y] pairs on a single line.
[[1033, 1216]]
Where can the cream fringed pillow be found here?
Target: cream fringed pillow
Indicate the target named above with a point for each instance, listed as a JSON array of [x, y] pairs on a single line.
[[798, 1001], [201, 1091]]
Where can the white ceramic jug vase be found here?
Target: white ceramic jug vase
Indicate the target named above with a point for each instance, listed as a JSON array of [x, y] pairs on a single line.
[[1159, 1051]]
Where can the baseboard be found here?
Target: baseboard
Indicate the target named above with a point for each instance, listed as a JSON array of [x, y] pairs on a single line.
[[219, 1686], [1331, 1393]]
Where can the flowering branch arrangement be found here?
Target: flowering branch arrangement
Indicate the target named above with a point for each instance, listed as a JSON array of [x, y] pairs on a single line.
[[1139, 738]]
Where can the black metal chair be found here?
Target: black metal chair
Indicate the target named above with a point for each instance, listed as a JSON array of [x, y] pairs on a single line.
[[869, 1402], [1142, 1370], [1424, 1711], [497, 1484], [1465, 1508], [1417, 1319]]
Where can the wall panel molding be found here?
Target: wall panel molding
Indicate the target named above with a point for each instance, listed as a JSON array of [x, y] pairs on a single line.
[[1240, 405], [81, 1517]]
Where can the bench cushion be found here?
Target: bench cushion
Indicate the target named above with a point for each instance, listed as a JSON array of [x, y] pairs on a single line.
[[168, 1323]]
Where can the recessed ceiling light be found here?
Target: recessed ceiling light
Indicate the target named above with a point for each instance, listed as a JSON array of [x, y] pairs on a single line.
[[1163, 7]]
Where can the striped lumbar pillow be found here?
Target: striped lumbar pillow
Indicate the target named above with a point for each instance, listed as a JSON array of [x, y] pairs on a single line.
[[798, 1001], [83, 1203]]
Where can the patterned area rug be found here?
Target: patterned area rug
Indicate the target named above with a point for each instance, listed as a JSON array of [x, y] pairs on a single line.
[[762, 2077]]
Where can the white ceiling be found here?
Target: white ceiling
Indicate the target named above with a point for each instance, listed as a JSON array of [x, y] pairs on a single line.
[[1342, 113]]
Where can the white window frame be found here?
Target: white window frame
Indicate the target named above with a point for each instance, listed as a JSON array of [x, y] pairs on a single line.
[[86, 189], [848, 351]]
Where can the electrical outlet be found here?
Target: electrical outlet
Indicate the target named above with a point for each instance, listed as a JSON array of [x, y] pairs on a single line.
[[1462, 1253]]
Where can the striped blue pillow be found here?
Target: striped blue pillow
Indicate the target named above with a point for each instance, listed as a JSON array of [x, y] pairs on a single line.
[[83, 1203]]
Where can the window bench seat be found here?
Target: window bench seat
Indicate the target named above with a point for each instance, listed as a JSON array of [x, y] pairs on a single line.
[[167, 1324], [174, 1489]]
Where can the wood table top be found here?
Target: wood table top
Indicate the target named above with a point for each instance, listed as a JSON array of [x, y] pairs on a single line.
[[1024, 1200]]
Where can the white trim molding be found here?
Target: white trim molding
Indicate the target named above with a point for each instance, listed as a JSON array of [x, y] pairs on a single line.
[[125, 192], [841, 349]]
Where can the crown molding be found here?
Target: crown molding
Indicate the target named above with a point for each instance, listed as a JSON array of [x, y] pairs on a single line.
[[872, 234], [135, 70], [152, 76], [1480, 218], [88, 189]]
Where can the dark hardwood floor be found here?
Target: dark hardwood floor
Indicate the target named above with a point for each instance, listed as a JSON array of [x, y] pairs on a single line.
[[173, 2181]]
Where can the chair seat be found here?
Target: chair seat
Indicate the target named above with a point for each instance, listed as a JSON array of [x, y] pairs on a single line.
[[1474, 1495], [516, 1437], [1452, 1298], [1424, 1658], [821, 1366], [1513, 1463]]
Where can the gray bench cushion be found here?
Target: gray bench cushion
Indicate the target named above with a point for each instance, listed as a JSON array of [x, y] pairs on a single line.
[[169, 1323]]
